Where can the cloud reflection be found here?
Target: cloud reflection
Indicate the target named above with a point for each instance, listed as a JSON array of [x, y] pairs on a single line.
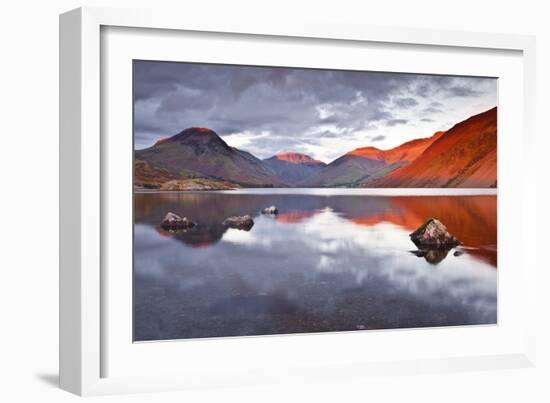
[[336, 274]]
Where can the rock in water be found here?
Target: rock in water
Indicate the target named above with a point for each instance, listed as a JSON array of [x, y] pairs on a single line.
[[433, 234], [244, 222], [272, 210], [174, 222]]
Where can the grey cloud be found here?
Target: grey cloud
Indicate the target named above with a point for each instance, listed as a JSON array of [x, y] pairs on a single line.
[[329, 134], [463, 91], [433, 107], [405, 102], [184, 100], [395, 122], [380, 137], [329, 119], [450, 86], [147, 126], [159, 78], [422, 90], [284, 102], [430, 110]]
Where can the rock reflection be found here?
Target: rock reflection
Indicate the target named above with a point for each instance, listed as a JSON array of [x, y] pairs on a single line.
[[324, 264], [200, 236], [471, 218], [433, 255]]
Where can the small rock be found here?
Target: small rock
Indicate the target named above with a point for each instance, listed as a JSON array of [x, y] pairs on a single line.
[[458, 253], [174, 222], [244, 222], [271, 210], [433, 234]]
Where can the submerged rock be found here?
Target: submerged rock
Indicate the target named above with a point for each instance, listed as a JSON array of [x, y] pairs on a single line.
[[244, 222], [433, 234], [271, 210], [174, 222]]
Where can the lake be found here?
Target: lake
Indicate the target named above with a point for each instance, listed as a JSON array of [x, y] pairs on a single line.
[[331, 260]]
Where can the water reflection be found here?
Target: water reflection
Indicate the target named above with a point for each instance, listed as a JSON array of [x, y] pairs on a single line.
[[324, 263], [433, 255]]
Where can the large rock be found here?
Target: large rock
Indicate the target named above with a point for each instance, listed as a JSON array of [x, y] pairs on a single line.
[[272, 210], [244, 222], [174, 222], [433, 234]]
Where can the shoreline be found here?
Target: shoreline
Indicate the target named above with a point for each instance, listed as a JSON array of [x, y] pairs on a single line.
[[342, 191]]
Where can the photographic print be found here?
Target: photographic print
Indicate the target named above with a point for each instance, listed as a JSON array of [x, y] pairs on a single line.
[[258, 210]]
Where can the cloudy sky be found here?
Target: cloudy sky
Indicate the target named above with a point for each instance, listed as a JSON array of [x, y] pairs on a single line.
[[322, 113]]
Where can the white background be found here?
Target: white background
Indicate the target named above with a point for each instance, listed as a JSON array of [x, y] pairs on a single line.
[[28, 294]]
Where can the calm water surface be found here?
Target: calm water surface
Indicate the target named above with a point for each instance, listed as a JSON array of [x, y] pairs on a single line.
[[330, 261]]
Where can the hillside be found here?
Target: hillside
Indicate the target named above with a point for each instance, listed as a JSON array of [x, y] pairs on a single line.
[[150, 177], [406, 152], [465, 156], [364, 165]]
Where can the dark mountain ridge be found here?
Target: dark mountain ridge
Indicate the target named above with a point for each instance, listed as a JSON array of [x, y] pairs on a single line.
[[201, 151], [463, 156]]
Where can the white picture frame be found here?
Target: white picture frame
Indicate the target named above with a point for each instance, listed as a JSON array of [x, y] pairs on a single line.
[[83, 185]]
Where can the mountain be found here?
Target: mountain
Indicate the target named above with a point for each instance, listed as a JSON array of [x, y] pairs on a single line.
[[347, 170], [295, 158], [293, 167], [200, 153], [367, 164], [465, 156], [406, 152]]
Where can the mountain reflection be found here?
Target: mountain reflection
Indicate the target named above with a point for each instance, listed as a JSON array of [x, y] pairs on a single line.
[[293, 217], [324, 263], [472, 219]]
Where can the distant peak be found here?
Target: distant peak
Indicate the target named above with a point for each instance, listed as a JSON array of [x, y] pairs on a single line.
[[366, 149], [295, 158], [367, 152]]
